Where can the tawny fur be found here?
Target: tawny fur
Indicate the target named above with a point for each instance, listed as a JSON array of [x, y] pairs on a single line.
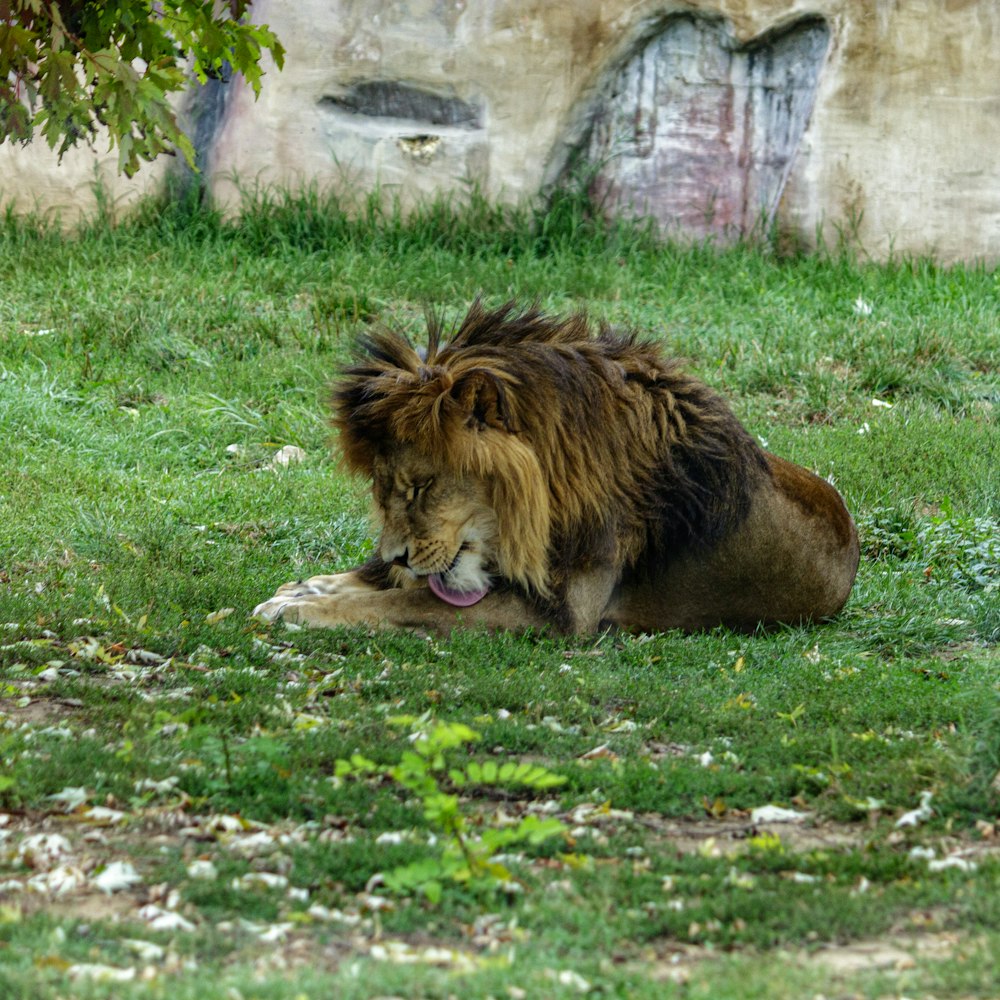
[[620, 484]]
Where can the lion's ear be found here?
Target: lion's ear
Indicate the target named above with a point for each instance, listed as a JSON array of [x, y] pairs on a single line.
[[481, 396]]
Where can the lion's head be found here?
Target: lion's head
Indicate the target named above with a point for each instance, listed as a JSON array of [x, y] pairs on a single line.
[[457, 484], [435, 524]]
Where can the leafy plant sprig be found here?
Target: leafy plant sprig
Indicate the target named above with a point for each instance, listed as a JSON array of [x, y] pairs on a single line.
[[468, 854], [67, 67]]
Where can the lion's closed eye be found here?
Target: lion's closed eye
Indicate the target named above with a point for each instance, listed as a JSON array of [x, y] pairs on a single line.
[[416, 490]]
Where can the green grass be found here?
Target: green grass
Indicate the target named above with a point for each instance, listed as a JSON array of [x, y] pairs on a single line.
[[148, 372]]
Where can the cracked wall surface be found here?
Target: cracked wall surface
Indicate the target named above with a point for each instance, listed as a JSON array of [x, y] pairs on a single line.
[[872, 121]]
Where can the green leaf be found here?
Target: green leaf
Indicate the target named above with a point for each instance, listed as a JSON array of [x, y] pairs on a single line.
[[512, 773], [441, 809], [357, 766], [413, 876], [462, 858], [536, 830], [448, 735], [407, 721]]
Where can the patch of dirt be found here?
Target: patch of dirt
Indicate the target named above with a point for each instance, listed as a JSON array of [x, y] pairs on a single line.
[[83, 904], [42, 711], [889, 954], [892, 953], [728, 836]]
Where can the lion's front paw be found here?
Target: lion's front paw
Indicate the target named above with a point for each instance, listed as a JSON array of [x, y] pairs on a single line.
[[327, 610], [289, 596], [291, 609], [320, 600], [273, 609]]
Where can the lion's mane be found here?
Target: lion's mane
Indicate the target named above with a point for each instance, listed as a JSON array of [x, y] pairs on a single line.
[[593, 445]]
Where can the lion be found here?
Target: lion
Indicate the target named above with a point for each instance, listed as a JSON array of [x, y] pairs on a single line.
[[530, 473]]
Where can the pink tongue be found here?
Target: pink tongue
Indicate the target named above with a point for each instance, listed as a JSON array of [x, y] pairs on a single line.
[[460, 598]]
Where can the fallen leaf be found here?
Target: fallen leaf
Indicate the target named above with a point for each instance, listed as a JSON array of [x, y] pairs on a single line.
[[921, 814], [317, 912], [394, 837], [157, 787], [776, 814], [164, 920], [803, 878], [267, 933], [221, 823], [284, 457], [146, 950], [116, 876], [42, 850], [70, 798], [103, 816], [714, 807], [144, 656], [952, 861], [251, 844], [569, 978], [624, 726], [263, 880], [101, 973], [202, 870], [58, 881], [402, 953]]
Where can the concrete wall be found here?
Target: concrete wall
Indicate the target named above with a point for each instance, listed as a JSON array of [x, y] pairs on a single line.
[[877, 120]]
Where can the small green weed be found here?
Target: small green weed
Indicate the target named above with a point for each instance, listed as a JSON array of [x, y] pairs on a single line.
[[468, 853], [961, 551], [964, 550]]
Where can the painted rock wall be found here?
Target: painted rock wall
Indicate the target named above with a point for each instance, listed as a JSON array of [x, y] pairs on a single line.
[[873, 121], [701, 132]]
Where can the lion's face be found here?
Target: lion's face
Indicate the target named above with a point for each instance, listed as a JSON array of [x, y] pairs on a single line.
[[435, 524]]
